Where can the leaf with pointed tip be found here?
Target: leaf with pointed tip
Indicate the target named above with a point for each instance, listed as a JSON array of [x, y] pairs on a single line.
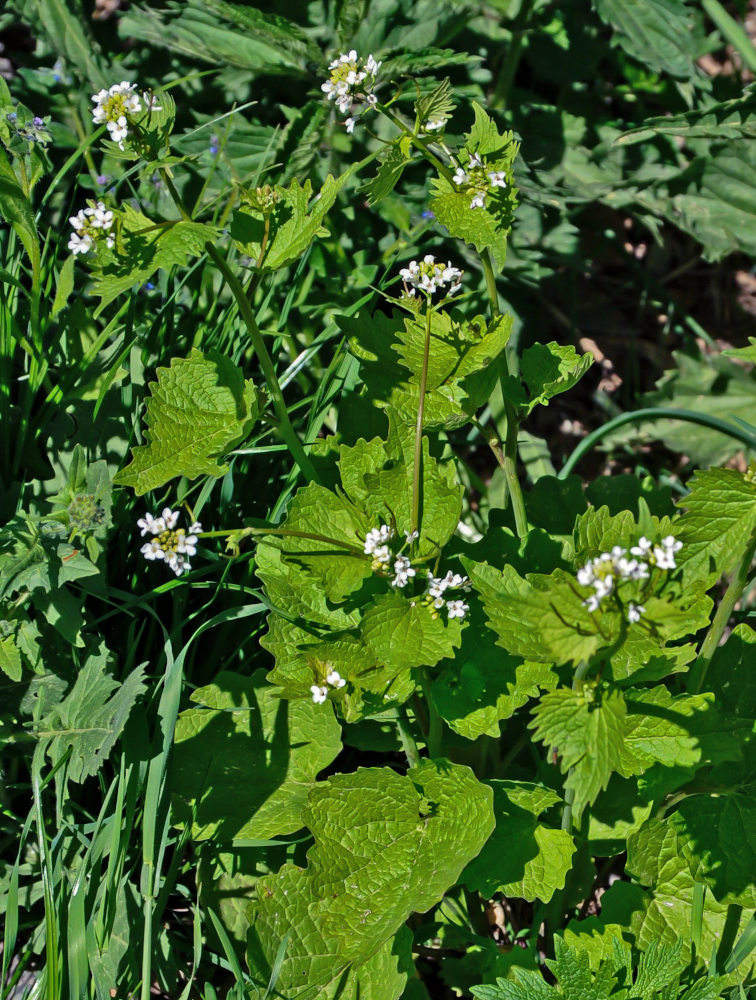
[[524, 857], [200, 408], [90, 718], [402, 634], [661, 34], [242, 729], [278, 239], [549, 369], [587, 729], [484, 228]]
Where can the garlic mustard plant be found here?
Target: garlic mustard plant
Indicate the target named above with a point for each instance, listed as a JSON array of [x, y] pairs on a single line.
[[116, 106], [350, 85], [429, 277], [92, 227], [175, 546]]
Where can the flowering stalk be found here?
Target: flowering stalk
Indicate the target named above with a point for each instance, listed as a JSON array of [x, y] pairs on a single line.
[[509, 464], [416, 478], [269, 372]]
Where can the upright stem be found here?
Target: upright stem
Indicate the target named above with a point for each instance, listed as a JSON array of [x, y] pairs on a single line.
[[434, 738], [408, 740], [417, 465], [271, 380], [569, 794], [509, 461], [709, 646]]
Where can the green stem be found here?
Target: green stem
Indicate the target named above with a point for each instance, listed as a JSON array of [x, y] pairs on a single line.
[[508, 460], [417, 465], [653, 413], [569, 794], [737, 585], [269, 373], [408, 740], [434, 739], [417, 143], [512, 61], [352, 550], [266, 364]]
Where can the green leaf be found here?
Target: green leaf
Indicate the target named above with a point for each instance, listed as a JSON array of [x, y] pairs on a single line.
[[386, 845], [484, 228], [437, 104], [16, 209], [34, 557], [243, 728], [200, 408], [277, 239], [549, 369], [540, 617], [720, 517], [743, 353], [484, 684], [142, 248], [735, 119], [403, 634], [90, 718], [587, 729], [10, 656], [461, 369], [54, 20], [390, 170], [658, 33], [64, 286], [524, 857], [715, 834], [662, 911]]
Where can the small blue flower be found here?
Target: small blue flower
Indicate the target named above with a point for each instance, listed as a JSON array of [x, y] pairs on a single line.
[[214, 145], [427, 214]]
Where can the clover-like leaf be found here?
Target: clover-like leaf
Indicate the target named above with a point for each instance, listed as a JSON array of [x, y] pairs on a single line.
[[524, 857], [200, 407]]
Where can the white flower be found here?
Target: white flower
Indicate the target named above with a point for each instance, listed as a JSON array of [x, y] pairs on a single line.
[[319, 694], [610, 568], [90, 225], [411, 536], [477, 180], [173, 545], [351, 82], [335, 679], [642, 549], [377, 537], [457, 609], [402, 572], [434, 124], [115, 107], [429, 276], [634, 612]]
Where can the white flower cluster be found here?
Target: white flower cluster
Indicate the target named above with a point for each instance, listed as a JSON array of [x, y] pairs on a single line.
[[388, 562], [434, 125], [114, 106], [351, 81], [90, 225], [437, 587], [376, 545], [320, 691], [478, 180], [173, 545], [430, 276], [609, 569]]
